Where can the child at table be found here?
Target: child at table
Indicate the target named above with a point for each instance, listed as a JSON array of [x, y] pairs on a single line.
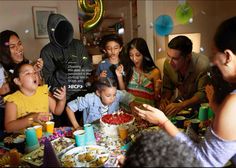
[[31, 102], [104, 100], [112, 46]]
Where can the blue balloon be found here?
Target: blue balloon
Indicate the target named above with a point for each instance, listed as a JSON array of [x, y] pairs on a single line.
[[163, 25]]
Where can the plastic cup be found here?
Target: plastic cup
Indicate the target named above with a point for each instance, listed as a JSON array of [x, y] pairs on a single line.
[[195, 124], [39, 131], [211, 114], [19, 144], [89, 135], [203, 113], [180, 121], [123, 132], [79, 137], [31, 139], [49, 127]]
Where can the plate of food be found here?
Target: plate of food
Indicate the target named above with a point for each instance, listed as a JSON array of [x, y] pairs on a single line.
[[86, 156], [62, 144], [35, 157]]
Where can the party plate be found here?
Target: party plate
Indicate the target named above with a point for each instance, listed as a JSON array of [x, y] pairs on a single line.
[[62, 144], [35, 157], [86, 156]]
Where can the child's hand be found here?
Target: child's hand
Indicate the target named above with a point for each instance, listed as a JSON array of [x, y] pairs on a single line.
[[120, 70], [38, 66], [60, 94], [44, 116], [103, 74]]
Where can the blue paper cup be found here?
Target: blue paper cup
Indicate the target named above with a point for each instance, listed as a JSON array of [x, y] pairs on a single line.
[[79, 137], [31, 139], [89, 135]]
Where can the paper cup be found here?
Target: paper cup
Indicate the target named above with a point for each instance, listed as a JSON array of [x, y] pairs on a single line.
[[195, 124], [39, 131], [79, 137], [203, 113], [49, 127], [31, 139], [123, 132], [89, 135], [210, 112], [180, 121], [19, 144]]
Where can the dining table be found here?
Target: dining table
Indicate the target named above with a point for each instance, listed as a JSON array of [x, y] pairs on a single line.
[[113, 145]]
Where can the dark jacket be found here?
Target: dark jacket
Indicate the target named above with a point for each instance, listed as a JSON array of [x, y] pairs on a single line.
[[65, 59]]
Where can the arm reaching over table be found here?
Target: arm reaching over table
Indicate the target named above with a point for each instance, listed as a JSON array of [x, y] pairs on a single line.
[[155, 116]]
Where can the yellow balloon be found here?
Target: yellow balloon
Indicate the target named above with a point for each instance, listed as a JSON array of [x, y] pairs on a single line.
[[87, 7], [98, 11]]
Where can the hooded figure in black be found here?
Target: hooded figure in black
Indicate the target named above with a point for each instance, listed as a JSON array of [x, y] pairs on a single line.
[[66, 61]]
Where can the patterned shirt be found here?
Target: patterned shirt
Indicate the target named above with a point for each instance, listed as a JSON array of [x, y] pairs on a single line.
[[142, 88]]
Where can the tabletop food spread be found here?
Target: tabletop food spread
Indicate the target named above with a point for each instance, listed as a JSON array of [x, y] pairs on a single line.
[[101, 154]]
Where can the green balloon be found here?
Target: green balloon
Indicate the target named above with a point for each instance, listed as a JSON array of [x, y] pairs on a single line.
[[183, 13]]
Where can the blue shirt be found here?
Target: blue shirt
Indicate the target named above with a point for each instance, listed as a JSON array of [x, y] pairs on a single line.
[[106, 65], [91, 105]]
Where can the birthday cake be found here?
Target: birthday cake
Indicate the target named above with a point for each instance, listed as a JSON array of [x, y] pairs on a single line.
[[109, 123]]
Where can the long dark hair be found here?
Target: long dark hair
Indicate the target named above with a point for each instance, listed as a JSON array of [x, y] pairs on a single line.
[[5, 56], [221, 87], [147, 64], [225, 36]]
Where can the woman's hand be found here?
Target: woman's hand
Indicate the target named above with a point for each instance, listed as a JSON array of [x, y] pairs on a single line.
[[151, 114], [38, 66], [60, 93]]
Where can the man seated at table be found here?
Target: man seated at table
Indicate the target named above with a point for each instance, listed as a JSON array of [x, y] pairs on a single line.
[[185, 71]]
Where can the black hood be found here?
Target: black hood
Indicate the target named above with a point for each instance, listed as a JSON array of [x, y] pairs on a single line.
[[60, 30]]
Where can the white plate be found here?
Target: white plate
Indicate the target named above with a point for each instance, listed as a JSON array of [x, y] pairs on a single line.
[[94, 155], [35, 157], [62, 144]]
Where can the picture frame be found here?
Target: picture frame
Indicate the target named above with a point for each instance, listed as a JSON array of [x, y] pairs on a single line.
[[40, 18]]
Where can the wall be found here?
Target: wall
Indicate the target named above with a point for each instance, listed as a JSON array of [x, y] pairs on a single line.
[[16, 15], [145, 18], [120, 8], [207, 15]]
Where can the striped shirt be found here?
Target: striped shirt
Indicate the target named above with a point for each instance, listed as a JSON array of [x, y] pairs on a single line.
[[142, 88]]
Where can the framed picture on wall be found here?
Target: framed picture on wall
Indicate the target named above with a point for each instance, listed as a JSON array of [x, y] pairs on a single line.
[[40, 18]]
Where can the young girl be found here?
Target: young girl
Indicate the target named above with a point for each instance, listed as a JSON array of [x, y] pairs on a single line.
[[143, 78], [105, 100], [30, 102], [112, 45]]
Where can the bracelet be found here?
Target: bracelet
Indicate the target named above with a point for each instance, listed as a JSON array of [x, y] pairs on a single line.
[[163, 124]]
